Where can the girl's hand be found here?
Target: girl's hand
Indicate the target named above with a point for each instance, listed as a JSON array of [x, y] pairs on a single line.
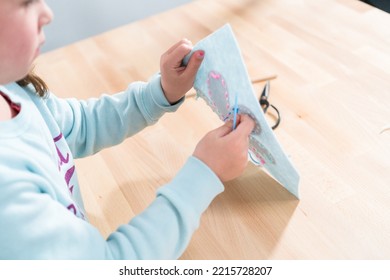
[[225, 150], [177, 79]]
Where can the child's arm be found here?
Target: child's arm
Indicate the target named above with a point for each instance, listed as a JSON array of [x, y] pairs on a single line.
[[92, 125], [36, 224], [96, 123], [176, 212]]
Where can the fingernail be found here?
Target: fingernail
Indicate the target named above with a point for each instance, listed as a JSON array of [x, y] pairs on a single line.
[[200, 54]]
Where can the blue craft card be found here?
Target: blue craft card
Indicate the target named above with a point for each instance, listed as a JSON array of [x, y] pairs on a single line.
[[221, 80]]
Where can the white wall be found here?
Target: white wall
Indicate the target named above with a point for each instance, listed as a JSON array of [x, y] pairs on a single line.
[[78, 19]]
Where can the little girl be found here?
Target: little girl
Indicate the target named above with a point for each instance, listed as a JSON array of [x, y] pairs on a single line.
[[41, 209]]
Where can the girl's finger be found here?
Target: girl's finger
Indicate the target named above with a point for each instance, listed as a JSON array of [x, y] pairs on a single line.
[[182, 41]]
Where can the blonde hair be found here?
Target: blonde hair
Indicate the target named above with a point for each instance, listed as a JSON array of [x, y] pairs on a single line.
[[38, 84]]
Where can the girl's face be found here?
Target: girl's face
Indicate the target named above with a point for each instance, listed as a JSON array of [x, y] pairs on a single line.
[[21, 36]]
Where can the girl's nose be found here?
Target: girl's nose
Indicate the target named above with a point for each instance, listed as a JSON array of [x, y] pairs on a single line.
[[46, 14]]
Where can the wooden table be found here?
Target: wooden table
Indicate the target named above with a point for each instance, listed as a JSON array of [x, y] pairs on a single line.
[[332, 58]]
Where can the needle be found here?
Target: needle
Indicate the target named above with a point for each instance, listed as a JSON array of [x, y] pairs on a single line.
[[235, 110]]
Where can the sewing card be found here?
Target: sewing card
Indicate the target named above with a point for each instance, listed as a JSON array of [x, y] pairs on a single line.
[[223, 82]]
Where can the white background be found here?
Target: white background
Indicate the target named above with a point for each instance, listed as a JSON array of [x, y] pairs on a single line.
[[78, 19]]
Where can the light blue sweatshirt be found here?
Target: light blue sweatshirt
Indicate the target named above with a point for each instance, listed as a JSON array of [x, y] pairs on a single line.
[[41, 210]]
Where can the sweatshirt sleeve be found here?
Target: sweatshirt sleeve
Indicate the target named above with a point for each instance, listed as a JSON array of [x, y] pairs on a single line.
[[97, 123], [164, 229], [38, 227]]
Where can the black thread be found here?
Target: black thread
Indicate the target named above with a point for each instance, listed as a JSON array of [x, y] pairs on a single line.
[[264, 103]]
